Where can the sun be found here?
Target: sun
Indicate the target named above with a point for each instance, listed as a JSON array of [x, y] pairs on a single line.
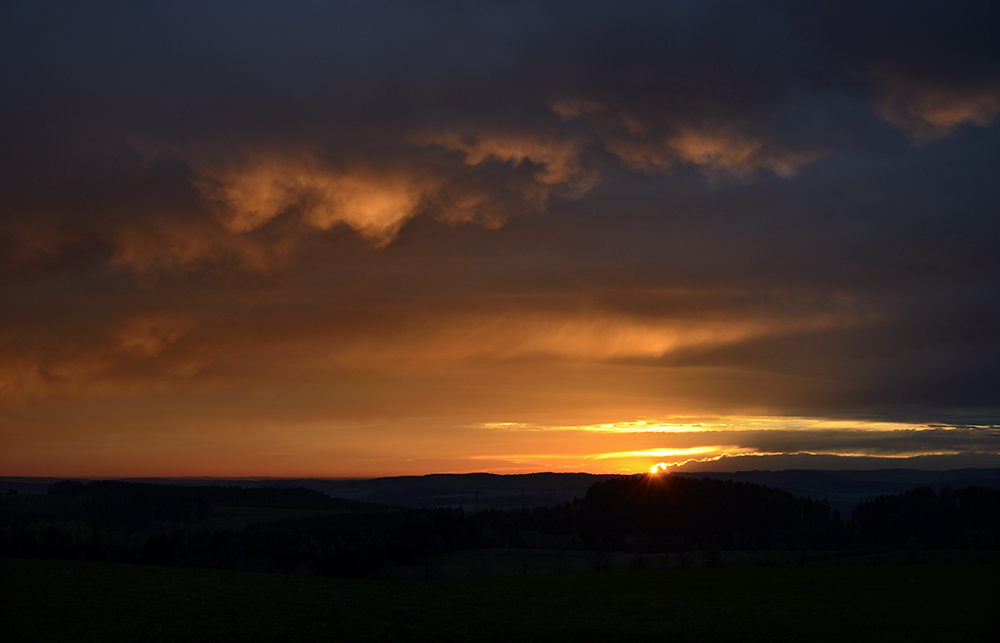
[[659, 466]]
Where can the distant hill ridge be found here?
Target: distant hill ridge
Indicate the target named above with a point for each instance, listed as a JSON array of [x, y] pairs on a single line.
[[843, 489]]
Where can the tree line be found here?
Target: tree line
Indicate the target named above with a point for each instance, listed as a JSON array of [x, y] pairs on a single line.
[[300, 530]]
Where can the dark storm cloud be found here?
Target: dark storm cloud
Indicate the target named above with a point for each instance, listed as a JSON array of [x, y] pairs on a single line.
[[906, 441], [931, 65], [797, 199], [567, 88]]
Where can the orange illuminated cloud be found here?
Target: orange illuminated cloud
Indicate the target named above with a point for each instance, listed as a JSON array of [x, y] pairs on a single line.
[[148, 335], [596, 336], [168, 348], [735, 153], [713, 150], [164, 245], [660, 144], [373, 203], [558, 161], [928, 111]]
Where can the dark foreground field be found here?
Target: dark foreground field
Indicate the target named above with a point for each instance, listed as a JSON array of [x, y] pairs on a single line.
[[47, 600]]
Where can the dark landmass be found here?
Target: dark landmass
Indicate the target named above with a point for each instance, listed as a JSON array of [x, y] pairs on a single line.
[[692, 521], [470, 491], [107, 602], [645, 557], [477, 491], [845, 489]]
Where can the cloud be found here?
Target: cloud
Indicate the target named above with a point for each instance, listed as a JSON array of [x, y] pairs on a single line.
[[715, 152], [334, 213], [252, 193], [666, 141], [930, 67], [928, 111], [167, 246], [558, 161], [147, 336]]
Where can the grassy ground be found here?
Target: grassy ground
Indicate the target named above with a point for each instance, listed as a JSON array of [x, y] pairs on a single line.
[[481, 563], [74, 601]]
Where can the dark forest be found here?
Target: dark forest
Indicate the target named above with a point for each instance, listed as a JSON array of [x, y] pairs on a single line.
[[297, 530]]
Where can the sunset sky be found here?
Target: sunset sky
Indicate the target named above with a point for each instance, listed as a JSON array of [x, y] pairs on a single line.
[[384, 238]]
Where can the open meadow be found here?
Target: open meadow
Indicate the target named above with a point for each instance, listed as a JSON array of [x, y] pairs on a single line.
[[48, 600]]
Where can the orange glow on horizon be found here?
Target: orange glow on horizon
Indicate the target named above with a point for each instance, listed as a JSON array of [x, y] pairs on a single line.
[[238, 447]]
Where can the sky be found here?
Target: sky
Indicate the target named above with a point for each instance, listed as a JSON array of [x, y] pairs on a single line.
[[356, 239]]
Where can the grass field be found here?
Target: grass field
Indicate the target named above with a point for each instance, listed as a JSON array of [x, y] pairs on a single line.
[[44, 600], [480, 563]]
